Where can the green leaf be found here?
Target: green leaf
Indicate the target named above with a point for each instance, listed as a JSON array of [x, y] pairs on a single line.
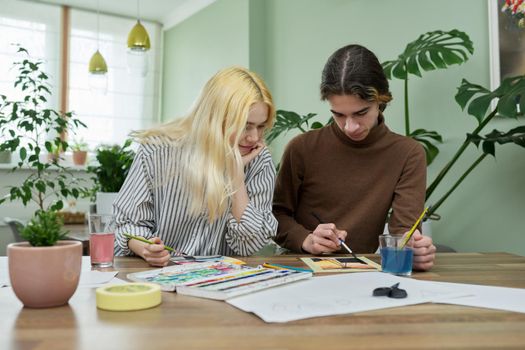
[[489, 148], [509, 94], [44, 229], [387, 68], [436, 49], [49, 146], [286, 121], [41, 186], [23, 153], [427, 139], [412, 66], [478, 107], [400, 71], [425, 62]]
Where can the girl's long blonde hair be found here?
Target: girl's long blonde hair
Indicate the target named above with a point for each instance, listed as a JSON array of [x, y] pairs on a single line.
[[209, 135]]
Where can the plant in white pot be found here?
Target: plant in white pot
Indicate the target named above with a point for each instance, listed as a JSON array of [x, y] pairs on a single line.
[[45, 270], [114, 162]]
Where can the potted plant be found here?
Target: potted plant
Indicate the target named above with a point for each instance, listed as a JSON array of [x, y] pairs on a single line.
[[45, 270], [24, 125], [477, 101], [80, 149], [438, 50], [114, 162]]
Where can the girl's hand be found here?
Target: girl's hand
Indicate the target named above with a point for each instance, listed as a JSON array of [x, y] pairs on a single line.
[[155, 254], [254, 152]]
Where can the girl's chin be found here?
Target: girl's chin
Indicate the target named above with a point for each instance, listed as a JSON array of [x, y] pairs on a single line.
[[245, 150]]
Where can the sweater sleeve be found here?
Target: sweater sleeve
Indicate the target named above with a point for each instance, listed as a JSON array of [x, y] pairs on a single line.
[[257, 225], [133, 208], [409, 194], [290, 234]]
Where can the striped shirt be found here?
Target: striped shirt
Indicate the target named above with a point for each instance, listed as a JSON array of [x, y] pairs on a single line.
[[152, 204]]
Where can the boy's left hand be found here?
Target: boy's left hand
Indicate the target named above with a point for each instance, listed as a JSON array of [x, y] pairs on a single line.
[[424, 252]]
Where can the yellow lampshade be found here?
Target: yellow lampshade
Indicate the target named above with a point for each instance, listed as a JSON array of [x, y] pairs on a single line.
[[97, 64], [138, 38]]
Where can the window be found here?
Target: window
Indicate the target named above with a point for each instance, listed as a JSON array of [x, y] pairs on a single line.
[[36, 28], [131, 101]]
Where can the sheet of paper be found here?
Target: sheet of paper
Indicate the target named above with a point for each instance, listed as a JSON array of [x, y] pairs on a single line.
[[95, 278], [500, 298], [86, 263], [4, 272], [336, 294]]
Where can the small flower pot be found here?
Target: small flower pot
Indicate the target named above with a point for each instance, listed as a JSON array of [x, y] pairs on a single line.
[[79, 157], [44, 277]]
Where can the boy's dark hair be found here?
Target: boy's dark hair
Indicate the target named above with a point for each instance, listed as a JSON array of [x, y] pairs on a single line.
[[355, 70]]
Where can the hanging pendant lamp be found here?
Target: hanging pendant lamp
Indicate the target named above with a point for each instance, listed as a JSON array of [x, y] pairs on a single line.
[[138, 46], [138, 38], [98, 69], [97, 64]]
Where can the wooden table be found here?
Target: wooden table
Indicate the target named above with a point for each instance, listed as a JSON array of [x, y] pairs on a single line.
[[182, 322]]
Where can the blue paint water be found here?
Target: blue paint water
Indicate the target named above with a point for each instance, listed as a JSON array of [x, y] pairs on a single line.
[[396, 261]]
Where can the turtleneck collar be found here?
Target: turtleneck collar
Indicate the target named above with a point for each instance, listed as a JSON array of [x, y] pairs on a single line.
[[375, 134]]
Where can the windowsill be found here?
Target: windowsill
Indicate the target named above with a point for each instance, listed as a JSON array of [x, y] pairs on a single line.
[[65, 160], [72, 167]]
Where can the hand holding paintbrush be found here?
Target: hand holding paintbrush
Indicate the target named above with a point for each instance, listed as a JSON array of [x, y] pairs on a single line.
[[341, 241], [152, 253], [413, 229]]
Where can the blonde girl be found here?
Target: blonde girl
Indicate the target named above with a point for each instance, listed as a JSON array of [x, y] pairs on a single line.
[[203, 184]]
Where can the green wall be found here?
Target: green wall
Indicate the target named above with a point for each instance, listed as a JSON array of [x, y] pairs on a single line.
[[194, 50], [289, 42]]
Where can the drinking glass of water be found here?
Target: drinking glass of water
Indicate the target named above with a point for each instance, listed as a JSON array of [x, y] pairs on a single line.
[[101, 239], [395, 258]]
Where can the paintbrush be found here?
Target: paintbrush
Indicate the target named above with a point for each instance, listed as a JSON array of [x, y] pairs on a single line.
[[177, 252], [340, 240], [413, 229]]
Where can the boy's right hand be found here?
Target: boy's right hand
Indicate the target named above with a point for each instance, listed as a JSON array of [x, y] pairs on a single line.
[[324, 239]]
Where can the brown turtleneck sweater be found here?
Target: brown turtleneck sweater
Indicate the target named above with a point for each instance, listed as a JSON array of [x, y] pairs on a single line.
[[351, 184]]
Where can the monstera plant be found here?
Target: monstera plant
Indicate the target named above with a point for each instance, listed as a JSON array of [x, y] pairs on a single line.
[[288, 120], [510, 96], [433, 50]]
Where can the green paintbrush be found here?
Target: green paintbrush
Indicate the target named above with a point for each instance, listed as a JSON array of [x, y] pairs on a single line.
[[138, 238]]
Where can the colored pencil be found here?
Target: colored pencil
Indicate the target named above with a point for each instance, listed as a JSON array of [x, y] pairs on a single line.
[[138, 238], [413, 229], [285, 267]]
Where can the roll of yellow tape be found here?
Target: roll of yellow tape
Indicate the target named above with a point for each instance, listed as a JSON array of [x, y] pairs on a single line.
[[128, 297]]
